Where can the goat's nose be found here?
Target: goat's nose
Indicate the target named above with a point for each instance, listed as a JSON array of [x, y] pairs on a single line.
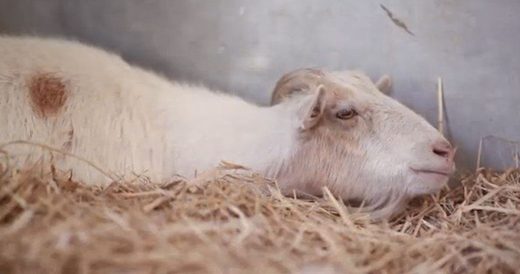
[[443, 149]]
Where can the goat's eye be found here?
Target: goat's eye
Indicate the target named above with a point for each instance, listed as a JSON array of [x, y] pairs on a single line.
[[346, 114]]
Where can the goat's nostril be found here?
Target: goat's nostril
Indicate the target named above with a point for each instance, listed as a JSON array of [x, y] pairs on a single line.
[[441, 152], [443, 149]]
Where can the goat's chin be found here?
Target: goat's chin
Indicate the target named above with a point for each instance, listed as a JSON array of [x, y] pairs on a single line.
[[427, 183], [387, 204]]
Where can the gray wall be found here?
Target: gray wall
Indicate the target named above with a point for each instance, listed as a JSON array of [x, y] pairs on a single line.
[[244, 46]]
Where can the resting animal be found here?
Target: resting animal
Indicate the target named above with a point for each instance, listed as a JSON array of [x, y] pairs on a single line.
[[339, 131]]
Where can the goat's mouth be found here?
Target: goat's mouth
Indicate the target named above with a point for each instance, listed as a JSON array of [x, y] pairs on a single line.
[[441, 172], [429, 180]]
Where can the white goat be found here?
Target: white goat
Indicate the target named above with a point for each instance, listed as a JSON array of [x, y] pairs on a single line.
[[340, 132]]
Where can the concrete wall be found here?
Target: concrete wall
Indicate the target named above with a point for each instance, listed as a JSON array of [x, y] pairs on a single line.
[[244, 46]]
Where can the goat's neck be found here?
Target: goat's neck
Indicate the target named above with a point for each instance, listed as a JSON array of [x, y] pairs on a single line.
[[262, 138]]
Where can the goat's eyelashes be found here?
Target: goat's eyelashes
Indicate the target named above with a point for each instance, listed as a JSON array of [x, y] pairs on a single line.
[[346, 114]]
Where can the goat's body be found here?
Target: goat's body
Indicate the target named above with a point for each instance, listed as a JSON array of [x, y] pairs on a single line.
[[340, 132], [125, 119]]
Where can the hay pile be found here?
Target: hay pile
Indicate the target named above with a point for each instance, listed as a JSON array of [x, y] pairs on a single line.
[[237, 222]]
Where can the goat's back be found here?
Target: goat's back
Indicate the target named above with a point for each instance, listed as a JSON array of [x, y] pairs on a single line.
[[83, 101]]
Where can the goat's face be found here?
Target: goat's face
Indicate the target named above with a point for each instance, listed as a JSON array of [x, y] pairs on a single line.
[[360, 143]]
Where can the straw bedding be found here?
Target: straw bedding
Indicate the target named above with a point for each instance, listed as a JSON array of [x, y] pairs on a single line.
[[231, 220]]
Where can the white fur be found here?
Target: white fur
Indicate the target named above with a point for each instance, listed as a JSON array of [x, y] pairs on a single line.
[[126, 119]]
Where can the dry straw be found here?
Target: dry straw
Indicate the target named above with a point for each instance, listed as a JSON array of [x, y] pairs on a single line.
[[230, 220], [440, 106]]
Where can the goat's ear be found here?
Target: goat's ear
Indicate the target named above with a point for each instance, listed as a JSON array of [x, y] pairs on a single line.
[[314, 111], [384, 84], [301, 80]]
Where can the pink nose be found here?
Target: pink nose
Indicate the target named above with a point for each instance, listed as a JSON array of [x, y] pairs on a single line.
[[443, 149]]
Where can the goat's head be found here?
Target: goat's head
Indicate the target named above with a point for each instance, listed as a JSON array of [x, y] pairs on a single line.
[[360, 143]]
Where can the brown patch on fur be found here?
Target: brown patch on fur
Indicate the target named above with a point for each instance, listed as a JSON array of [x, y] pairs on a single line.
[[48, 94], [320, 160], [295, 81], [304, 80], [67, 146], [324, 148]]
